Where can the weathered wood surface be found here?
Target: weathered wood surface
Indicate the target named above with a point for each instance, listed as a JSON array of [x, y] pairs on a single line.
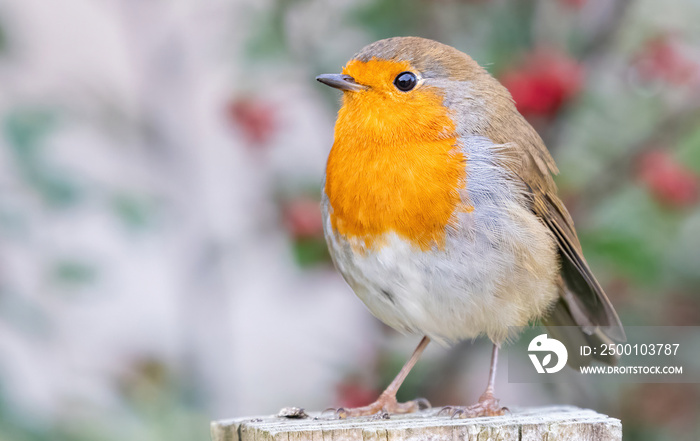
[[558, 423]]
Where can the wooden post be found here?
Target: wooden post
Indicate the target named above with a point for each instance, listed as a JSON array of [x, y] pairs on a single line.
[[560, 423]]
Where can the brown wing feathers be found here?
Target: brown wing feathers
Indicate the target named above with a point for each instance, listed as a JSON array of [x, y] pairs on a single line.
[[584, 297], [588, 304]]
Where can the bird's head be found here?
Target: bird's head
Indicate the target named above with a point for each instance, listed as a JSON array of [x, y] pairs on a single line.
[[415, 88]]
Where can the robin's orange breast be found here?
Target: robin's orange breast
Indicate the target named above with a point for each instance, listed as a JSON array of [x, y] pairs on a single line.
[[395, 165]]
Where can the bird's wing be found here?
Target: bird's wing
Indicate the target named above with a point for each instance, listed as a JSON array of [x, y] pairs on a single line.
[[531, 162], [562, 326]]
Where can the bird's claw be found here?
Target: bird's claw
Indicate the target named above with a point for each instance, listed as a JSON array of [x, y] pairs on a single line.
[[422, 403], [340, 412], [382, 408], [381, 415], [486, 406], [445, 410]]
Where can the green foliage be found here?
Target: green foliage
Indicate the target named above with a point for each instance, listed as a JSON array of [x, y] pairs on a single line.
[[270, 40], [22, 315], [73, 272], [632, 232], [25, 131], [689, 148], [512, 36], [310, 251], [446, 21], [389, 18], [134, 210], [3, 38]]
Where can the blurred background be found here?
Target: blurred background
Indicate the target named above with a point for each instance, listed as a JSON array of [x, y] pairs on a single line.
[[161, 255]]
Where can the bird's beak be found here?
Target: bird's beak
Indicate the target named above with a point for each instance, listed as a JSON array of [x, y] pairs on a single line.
[[342, 82]]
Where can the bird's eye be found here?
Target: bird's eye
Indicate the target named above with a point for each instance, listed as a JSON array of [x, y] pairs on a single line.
[[405, 81]]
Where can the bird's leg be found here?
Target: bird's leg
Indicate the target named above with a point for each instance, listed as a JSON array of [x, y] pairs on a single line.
[[386, 403], [487, 404]]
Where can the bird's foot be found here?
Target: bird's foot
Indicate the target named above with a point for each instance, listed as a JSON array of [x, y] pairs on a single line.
[[383, 407], [486, 406]]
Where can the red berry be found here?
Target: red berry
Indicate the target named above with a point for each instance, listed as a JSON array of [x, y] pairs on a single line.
[[669, 182], [543, 83], [255, 118], [351, 393], [665, 58], [302, 217], [576, 4]]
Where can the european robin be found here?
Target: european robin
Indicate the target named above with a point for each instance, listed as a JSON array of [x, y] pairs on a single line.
[[441, 213]]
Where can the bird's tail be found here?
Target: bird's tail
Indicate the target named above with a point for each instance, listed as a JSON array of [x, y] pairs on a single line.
[[561, 325]]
